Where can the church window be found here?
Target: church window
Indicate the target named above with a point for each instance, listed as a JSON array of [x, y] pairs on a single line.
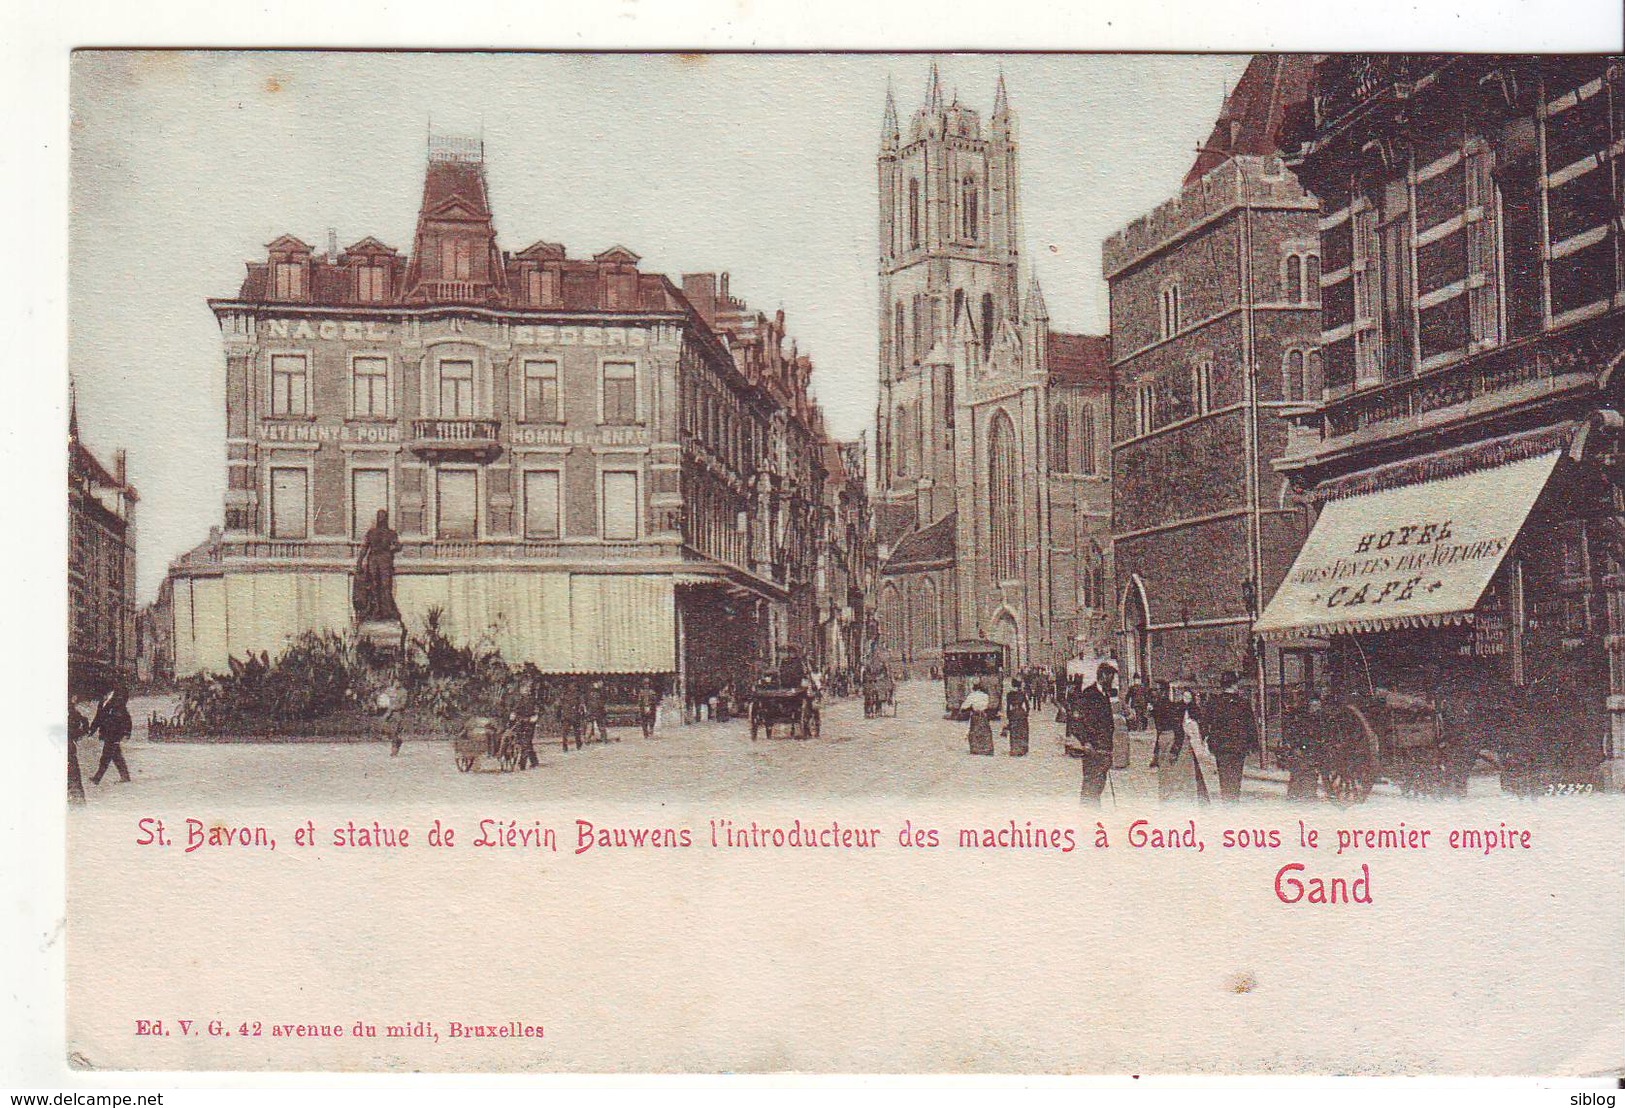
[[1003, 497], [1086, 440], [987, 325], [1060, 442], [900, 439], [1294, 278], [914, 213], [1292, 379], [968, 208], [1202, 388]]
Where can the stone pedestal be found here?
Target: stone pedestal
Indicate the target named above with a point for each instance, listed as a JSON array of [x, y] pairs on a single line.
[[385, 634]]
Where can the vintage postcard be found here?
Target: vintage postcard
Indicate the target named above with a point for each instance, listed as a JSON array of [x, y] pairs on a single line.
[[827, 563]]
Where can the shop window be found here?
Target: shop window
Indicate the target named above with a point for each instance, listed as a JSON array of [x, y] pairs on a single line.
[[541, 504], [290, 385], [290, 503], [369, 387], [456, 504]]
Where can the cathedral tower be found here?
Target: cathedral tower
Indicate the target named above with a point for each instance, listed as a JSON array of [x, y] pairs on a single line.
[[949, 244]]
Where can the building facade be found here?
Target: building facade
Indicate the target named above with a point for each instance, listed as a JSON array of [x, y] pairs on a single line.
[[1464, 458], [101, 569], [848, 565], [580, 471], [1215, 321], [972, 381]]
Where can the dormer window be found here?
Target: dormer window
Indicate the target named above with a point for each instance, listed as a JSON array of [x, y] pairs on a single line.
[[456, 259], [542, 287], [371, 283], [289, 280]]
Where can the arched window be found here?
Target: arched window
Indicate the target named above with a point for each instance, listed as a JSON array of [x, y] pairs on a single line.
[[1311, 279], [1004, 504], [900, 336], [891, 620], [1294, 279], [1060, 441], [914, 213], [924, 618], [900, 440], [1292, 383], [1086, 440], [987, 325], [1312, 381], [968, 208], [1094, 577]]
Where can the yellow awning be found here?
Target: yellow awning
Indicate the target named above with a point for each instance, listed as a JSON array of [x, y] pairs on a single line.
[[1414, 556]]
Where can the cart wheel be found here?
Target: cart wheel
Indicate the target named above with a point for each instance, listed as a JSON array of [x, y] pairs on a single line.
[[465, 763]]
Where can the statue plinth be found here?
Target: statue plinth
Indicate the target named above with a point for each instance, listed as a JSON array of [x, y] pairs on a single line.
[[387, 634]]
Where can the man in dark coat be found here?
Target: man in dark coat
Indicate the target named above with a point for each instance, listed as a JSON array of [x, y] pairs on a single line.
[[1231, 731], [78, 727], [113, 724], [1089, 724]]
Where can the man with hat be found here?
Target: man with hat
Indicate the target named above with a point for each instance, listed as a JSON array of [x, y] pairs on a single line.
[[1089, 725], [1231, 732]]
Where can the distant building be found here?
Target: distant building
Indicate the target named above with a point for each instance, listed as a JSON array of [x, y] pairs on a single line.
[[1215, 318], [1463, 458], [580, 470], [101, 569], [848, 565], [973, 388]]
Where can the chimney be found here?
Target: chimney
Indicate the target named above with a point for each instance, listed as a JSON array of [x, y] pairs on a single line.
[[332, 246]]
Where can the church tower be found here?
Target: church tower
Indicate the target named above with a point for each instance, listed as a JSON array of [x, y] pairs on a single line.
[[949, 247]]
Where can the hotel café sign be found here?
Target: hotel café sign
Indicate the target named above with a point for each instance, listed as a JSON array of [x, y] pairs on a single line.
[[1414, 555]]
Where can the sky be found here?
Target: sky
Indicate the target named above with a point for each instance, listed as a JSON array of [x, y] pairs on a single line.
[[184, 165]]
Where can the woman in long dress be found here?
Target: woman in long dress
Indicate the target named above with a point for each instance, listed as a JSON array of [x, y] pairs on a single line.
[[980, 706], [1179, 773]]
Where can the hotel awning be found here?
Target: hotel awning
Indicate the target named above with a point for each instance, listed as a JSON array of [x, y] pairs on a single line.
[[1419, 555]]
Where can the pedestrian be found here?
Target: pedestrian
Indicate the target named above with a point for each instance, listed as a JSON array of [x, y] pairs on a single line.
[[78, 727], [648, 707], [1137, 702], [392, 707], [1164, 715], [1090, 727], [1302, 731], [1231, 732], [113, 724], [573, 713], [1179, 775], [1016, 708], [598, 710], [979, 705]]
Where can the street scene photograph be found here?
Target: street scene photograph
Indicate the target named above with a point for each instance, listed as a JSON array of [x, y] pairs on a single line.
[[971, 432], [823, 563]]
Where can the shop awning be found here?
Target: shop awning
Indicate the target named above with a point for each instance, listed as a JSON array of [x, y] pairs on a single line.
[[1418, 555]]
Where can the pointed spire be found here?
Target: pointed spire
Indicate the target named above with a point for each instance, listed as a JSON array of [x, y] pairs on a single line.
[[889, 137], [933, 91], [1001, 99], [1037, 310], [73, 411]]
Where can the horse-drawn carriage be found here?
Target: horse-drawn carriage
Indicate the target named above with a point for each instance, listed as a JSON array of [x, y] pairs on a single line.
[[879, 691], [1386, 735], [795, 707], [483, 739]]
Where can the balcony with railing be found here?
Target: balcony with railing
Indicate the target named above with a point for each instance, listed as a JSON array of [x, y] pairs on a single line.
[[1520, 373], [439, 438], [456, 292]]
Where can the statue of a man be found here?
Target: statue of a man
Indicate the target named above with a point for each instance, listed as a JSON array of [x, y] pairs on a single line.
[[373, 591]]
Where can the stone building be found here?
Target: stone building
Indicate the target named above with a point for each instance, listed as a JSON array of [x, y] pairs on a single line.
[[848, 565], [580, 470], [101, 569], [1464, 458], [972, 384], [1215, 320]]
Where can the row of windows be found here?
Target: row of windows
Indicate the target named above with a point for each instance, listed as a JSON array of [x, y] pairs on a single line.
[[1477, 242], [1073, 450], [967, 219], [456, 512], [541, 394], [1300, 286], [914, 327], [369, 281]]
